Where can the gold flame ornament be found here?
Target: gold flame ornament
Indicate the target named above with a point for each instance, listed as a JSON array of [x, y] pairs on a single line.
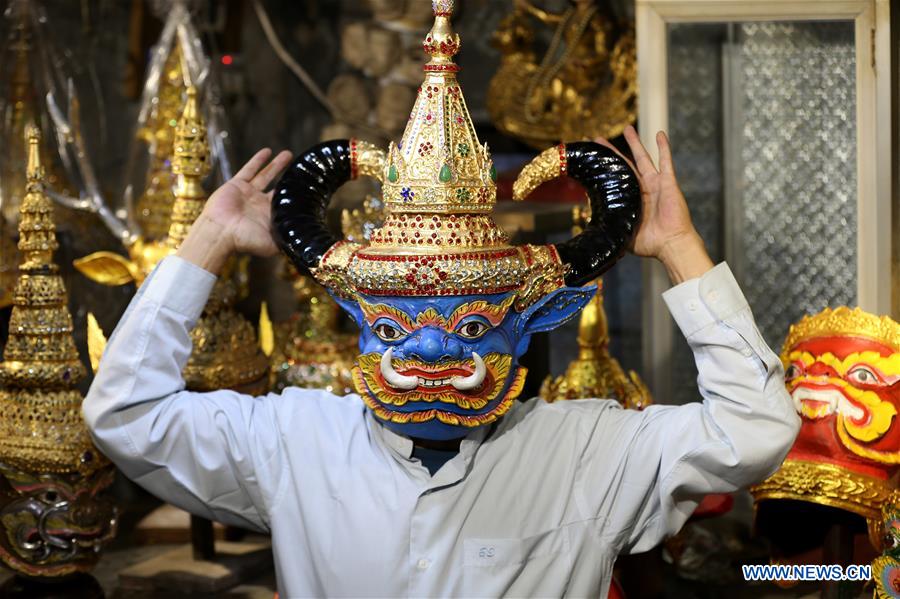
[[54, 518]]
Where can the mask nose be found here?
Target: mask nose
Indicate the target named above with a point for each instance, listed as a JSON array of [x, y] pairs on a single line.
[[430, 345], [819, 369]]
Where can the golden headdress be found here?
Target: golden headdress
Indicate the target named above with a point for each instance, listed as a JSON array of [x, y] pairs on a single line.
[[439, 186], [41, 428]]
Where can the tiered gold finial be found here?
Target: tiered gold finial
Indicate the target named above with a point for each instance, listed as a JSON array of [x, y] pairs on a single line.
[[595, 372], [439, 165], [154, 207], [190, 163], [41, 429], [438, 236]]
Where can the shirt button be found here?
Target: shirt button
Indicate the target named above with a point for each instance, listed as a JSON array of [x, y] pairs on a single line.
[[713, 296], [692, 306], [422, 564]]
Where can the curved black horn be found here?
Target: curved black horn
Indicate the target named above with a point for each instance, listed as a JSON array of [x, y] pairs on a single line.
[[301, 198], [615, 197]]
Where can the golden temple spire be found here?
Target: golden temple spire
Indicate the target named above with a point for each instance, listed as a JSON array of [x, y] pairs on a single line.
[[41, 429], [440, 166], [154, 207], [37, 231], [190, 163]]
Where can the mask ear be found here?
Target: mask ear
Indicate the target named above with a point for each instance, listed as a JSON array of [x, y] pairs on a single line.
[[553, 310], [350, 307]]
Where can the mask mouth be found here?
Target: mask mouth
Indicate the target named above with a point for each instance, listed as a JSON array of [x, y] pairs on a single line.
[[820, 401], [434, 378]]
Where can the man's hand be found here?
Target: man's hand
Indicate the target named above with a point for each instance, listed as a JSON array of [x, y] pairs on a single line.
[[236, 217], [666, 231]]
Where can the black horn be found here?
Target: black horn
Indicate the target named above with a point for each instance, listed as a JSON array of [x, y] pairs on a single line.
[[615, 198], [301, 199]]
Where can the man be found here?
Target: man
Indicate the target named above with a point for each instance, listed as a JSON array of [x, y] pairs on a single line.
[[541, 504]]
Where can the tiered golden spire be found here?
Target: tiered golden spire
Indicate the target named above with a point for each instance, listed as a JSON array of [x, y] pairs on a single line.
[[190, 163], [154, 207], [595, 372], [41, 429]]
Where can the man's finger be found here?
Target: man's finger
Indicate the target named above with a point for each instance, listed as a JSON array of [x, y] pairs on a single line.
[[253, 165], [645, 164], [665, 153], [265, 176]]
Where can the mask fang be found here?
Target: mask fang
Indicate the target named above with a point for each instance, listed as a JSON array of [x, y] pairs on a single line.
[[394, 378], [467, 383]]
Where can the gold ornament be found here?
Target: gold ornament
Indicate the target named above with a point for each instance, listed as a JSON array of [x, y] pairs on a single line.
[[22, 108], [594, 373], [584, 86], [226, 354]]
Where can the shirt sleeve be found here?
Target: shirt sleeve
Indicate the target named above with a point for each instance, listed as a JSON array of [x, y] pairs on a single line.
[[213, 454], [662, 461]]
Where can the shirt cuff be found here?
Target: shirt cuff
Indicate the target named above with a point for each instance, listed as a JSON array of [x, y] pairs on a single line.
[[710, 298], [180, 286]]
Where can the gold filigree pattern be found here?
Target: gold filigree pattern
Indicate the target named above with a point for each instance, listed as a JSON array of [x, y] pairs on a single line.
[[444, 416], [549, 164], [498, 366], [584, 86], [826, 484]]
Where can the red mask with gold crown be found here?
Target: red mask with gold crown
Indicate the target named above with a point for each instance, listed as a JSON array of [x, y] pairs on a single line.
[[445, 304], [842, 369]]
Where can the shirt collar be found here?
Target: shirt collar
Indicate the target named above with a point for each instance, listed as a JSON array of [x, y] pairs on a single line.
[[401, 447]]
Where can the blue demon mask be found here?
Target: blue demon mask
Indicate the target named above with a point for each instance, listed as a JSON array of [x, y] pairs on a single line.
[[445, 304], [434, 368]]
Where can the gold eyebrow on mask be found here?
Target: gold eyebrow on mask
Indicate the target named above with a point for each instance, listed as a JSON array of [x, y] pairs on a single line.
[[372, 312]]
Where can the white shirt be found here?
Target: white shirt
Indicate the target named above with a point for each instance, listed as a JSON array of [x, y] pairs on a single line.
[[541, 507]]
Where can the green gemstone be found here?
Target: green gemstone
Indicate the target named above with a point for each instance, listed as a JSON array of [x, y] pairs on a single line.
[[493, 173], [445, 174], [392, 174]]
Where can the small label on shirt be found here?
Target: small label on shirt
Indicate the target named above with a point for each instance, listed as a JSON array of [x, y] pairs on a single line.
[[507, 552]]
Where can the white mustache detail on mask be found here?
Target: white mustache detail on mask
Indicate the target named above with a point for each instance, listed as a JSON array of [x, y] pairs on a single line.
[[406, 382]]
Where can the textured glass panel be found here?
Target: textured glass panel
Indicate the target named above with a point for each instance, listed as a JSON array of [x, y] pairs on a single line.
[[762, 123], [799, 170], [695, 128]]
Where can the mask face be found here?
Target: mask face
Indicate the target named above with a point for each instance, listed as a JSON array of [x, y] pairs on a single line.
[[438, 367], [53, 525], [847, 389]]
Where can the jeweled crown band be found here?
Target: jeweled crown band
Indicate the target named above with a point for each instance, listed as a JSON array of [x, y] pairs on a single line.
[[845, 321], [354, 269]]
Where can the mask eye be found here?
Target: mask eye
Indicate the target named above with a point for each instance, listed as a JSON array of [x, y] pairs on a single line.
[[472, 329], [864, 376], [792, 372], [388, 332]]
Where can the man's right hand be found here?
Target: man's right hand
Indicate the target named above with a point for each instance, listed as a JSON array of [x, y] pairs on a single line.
[[236, 218]]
